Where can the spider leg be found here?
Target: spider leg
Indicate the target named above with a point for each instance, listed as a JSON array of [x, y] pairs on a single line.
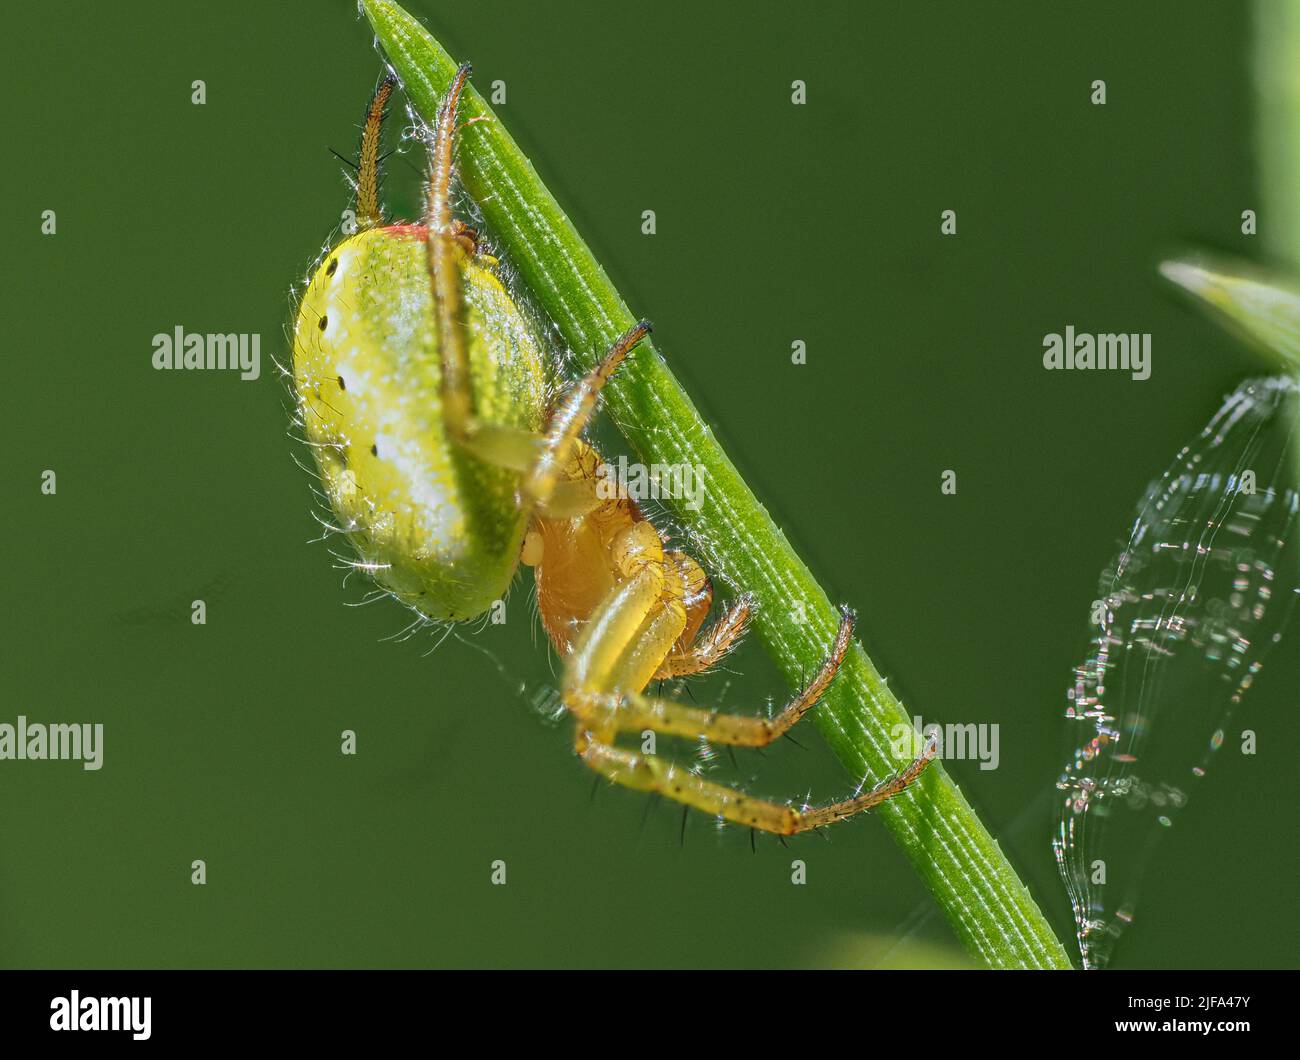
[[711, 645], [540, 458], [649, 773], [610, 657], [369, 213], [633, 711], [627, 636], [444, 271], [572, 415], [445, 248]]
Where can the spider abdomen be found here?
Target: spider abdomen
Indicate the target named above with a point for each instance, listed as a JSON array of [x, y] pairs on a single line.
[[434, 525]]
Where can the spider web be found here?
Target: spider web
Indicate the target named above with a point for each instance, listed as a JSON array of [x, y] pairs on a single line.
[[1188, 611]]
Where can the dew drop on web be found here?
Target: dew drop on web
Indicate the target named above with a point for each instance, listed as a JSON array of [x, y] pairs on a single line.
[[1187, 613]]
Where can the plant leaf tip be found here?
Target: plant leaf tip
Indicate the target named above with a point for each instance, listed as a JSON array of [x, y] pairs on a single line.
[[1188, 276]]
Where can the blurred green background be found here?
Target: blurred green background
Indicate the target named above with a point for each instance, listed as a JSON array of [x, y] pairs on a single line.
[[774, 223]]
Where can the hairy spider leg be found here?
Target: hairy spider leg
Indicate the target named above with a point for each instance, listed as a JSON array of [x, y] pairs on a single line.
[[694, 651], [631, 769], [538, 457], [606, 676], [738, 730], [369, 213]]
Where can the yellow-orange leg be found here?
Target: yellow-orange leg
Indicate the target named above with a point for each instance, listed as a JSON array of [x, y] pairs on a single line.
[[626, 638], [648, 773], [541, 458], [506, 446], [633, 711], [601, 658], [572, 414], [712, 645]]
